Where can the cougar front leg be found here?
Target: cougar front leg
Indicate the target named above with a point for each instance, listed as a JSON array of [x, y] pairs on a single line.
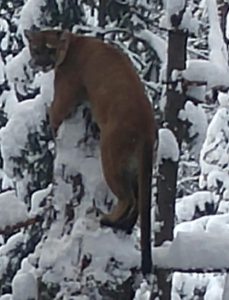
[[62, 105]]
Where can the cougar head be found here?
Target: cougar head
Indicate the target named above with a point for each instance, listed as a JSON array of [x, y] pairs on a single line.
[[48, 48]]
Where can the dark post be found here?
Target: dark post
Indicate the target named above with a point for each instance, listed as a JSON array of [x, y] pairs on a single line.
[[223, 11], [102, 16], [167, 179]]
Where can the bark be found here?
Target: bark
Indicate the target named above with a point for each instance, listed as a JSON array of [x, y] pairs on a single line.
[[102, 16], [24, 224], [166, 184], [223, 11]]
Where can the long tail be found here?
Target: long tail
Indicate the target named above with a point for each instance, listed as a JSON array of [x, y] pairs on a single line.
[[145, 179]]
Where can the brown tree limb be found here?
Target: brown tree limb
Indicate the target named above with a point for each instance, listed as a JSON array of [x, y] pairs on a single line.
[[19, 225]]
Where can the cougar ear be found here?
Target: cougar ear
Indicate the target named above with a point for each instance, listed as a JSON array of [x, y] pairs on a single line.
[[62, 48]]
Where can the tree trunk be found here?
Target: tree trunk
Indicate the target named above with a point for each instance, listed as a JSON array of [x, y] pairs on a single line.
[[166, 184], [102, 16], [223, 11]]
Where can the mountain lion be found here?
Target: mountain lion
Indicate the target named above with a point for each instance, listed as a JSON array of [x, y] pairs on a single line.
[[122, 111]]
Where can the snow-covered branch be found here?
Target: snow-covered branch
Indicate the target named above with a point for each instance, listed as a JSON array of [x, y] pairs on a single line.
[[209, 254]]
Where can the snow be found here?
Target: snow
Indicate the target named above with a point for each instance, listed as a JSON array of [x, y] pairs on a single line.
[[197, 92], [186, 206], [174, 7], [168, 147], [6, 250], [195, 115], [211, 252], [2, 71], [37, 198], [61, 257], [197, 284], [212, 292], [4, 27], [6, 297], [24, 286], [155, 42], [11, 243], [27, 117], [18, 72], [8, 100], [60, 5], [143, 293], [214, 71], [215, 75], [223, 99], [225, 295], [28, 19], [218, 50], [188, 22], [214, 152], [91, 19], [64, 254], [12, 211]]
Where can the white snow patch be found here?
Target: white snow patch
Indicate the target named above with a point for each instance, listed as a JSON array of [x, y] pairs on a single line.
[[30, 15], [174, 7], [214, 152], [24, 286], [6, 297], [37, 198], [2, 71], [195, 115], [27, 117], [215, 71], [223, 99], [185, 206], [4, 27], [8, 100], [144, 292], [214, 289], [5, 250], [225, 295], [211, 252], [215, 75], [188, 22], [18, 72], [63, 255], [155, 42], [168, 147], [12, 210]]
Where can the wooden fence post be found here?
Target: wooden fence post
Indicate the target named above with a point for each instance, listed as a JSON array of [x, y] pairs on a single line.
[[167, 178]]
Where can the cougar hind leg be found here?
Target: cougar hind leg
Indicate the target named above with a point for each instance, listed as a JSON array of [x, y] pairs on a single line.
[[129, 219], [117, 218], [120, 172]]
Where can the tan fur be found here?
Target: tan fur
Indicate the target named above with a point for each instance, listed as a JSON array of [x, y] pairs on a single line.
[[122, 112]]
